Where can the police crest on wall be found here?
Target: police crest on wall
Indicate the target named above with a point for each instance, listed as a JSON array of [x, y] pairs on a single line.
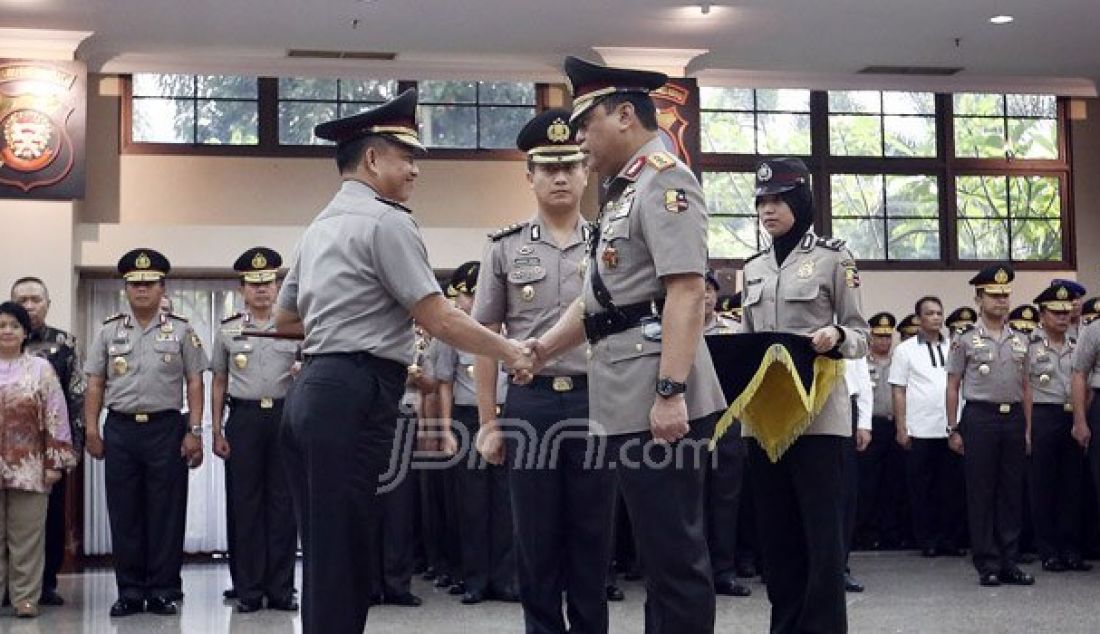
[[42, 119]]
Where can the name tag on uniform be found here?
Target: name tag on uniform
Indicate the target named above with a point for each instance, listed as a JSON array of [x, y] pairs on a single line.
[[165, 336], [528, 261]]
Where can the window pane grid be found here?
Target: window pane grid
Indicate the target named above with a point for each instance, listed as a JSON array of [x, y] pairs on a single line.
[[1009, 217], [755, 121], [887, 217], [882, 124], [474, 115], [194, 109]]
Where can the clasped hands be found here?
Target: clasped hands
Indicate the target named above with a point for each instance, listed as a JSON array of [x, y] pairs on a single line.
[[527, 358]]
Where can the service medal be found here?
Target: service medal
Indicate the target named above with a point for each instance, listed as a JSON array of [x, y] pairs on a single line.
[[121, 365], [528, 293], [240, 360], [983, 369], [610, 257]]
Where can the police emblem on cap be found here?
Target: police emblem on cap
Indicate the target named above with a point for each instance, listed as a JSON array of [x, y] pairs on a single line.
[[259, 261], [884, 321], [1028, 314], [1001, 276], [1061, 293], [764, 173], [558, 131], [142, 261]]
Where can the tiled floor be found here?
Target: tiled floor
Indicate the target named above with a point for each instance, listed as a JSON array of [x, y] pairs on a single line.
[[905, 594]]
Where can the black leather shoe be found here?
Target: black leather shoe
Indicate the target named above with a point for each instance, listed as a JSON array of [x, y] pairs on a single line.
[[457, 589], [126, 607], [1078, 565], [245, 606], [1016, 577], [444, 581], [50, 597], [1054, 565], [851, 585], [1025, 558], [229, 593], [989, 579], [162, 606], [614, 593], [289, 604], [930, 551], [473, 597], [406, 599], [730, 588]]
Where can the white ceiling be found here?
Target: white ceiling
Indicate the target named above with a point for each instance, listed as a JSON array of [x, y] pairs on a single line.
[[1050, 41]]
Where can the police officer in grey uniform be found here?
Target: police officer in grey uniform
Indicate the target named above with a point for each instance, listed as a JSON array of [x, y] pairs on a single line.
[[1086, 389], [810, 286], [137, 365], [652, 388], [252, 376], [562, 504], [483, 501], [358, 280], [715, 322], [1057, 466], [881, 507], [988, 366]]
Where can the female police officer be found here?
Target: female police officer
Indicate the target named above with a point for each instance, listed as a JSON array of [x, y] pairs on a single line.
[[806, 285]]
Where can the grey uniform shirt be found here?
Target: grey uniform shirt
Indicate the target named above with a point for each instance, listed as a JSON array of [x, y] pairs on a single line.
[[880, 388], [655, 222], [527, 281], [360, 267], [1086, 357], [1050, 370], [145, 368], [1005, 360], [452, 365], [719, 325], [258, 368], [817, 286]]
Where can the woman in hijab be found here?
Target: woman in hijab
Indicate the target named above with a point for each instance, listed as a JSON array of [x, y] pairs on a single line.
[[809, 286]]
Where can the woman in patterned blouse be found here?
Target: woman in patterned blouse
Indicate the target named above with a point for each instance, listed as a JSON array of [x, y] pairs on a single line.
[[35, 447]]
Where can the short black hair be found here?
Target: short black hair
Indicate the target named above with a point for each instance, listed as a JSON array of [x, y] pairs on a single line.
[[27, 279], [644, 108], [926, 298], [20, 314], [350, 153]]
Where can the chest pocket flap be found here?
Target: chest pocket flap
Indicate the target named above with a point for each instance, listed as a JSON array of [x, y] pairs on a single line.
[[167, 345], [120, 349], [753, 294], [801, 291]]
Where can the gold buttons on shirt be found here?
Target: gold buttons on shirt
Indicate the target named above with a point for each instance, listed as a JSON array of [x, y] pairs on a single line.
[[1044, 378], [528, 293], [983, 369]]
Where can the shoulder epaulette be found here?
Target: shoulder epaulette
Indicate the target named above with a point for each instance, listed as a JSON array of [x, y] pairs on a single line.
[[232, 317], [962, 329], [1034, 338], [175, 316], [507, 231], [114, 317], [661, 161], [833, 244], [394, 204]]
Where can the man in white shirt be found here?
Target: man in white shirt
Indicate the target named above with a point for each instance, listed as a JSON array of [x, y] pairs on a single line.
[[918, 375]]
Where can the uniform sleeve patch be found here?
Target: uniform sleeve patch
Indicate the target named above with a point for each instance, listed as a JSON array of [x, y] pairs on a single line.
[[851, 276], [676, 201]]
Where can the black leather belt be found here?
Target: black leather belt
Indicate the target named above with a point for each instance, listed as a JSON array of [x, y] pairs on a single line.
[[598, 326], [995, 408], [1061, 407], [143, 417], [560, 383], [263, 403]]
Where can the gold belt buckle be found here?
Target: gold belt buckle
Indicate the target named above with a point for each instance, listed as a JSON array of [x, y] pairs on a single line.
[[1005, 408], [1068, 407], [141, 418], [498, 410], [267, 402], [563, 383]]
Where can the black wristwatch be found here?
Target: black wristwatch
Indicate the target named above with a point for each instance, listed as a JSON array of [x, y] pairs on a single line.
[[952, 430], [666, 387]]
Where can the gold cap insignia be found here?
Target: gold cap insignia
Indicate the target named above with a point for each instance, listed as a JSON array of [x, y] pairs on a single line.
[[1001, 276], [1061, 293], [259, 261], [1028, 314], [884, 321], [764, 173], [558, 131], [142, 261]]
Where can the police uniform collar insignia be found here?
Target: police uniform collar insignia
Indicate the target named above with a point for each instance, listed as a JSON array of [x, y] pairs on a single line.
[[635, 168], [586, 231], [536, 232], [231, 318], [764, 172], [808, 241]]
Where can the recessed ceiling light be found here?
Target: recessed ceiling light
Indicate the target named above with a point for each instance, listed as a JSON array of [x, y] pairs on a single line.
[[1002, 19]]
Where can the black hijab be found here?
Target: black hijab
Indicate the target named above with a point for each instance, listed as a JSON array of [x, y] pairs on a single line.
[[801, 203]]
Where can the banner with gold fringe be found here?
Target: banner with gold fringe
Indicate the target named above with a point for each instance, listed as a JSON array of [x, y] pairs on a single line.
[[775, 383]]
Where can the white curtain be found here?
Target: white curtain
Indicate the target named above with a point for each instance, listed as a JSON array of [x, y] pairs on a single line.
[[204, 303]]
